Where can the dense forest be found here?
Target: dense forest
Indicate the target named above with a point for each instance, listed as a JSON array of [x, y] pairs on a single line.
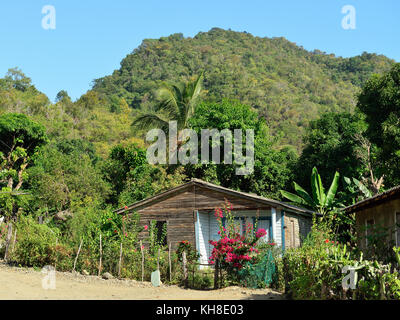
[[286, 84]]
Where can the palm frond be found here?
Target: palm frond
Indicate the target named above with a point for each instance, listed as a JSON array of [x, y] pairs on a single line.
[[149, 121]]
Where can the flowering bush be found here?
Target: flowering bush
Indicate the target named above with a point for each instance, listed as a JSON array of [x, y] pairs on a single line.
[[191, 253], [233, 250]]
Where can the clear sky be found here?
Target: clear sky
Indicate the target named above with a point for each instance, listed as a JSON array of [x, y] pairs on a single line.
[[92, 36]]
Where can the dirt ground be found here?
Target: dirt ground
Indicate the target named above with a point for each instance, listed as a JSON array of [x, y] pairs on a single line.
[[26, 284]]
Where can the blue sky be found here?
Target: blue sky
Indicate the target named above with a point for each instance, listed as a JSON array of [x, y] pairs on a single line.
[[93, 36]]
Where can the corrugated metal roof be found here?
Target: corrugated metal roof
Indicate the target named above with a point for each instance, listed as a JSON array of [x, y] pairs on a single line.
[[221, 189], [379, 197]]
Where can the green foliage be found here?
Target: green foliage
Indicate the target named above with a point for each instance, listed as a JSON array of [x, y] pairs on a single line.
[[287, 84], [36, 244], [175, 102], [319, 201], [132, 178], [192, 255], [271, 166], [314, 271], [379, 100], [61, 181], [330, 144]]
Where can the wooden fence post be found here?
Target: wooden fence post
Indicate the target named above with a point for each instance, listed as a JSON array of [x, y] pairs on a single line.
[[158, 260], [55, 264], [15, 239], [120, 261], [101, 256], [77, 255], [142, 251], [216, 271], [8, 240], [185, 271], [169, 262]]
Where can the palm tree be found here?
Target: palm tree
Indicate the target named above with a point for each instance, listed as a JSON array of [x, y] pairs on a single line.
[[320, 201], [175, 102]]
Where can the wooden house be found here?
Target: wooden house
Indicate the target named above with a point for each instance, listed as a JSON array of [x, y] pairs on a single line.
[[380, 212], [188, 213]]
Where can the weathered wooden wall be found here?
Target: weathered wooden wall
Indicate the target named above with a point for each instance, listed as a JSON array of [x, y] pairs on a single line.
[[296, 229], [383, 215], [179, 208]]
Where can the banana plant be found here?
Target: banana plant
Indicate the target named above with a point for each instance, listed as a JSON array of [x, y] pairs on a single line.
[[355, 191], [319, 201]]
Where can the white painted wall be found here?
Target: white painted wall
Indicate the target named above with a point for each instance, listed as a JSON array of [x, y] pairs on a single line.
[[278, 228], [208, 228], [203, 237]]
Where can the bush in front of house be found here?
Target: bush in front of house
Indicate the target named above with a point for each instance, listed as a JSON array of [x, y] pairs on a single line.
[[315, 271], [234, 250]]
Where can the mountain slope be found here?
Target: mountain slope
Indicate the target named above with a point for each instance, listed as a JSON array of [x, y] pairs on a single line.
[[287, 84]]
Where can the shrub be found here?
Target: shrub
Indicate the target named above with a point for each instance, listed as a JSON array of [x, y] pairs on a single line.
[[314, 271], [35, 244]]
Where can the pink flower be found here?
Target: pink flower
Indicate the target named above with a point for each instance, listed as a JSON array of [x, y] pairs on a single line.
[[260, 233], [126, 207], [146, 227]]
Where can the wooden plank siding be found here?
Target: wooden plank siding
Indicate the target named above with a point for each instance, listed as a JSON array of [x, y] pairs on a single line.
[[383, 214], [179, 209], [296, 229]]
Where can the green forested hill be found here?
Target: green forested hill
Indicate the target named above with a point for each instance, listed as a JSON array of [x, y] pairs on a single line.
[[287, 84]]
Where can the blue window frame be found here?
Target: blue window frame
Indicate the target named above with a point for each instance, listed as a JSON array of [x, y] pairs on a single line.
[[242, 219]]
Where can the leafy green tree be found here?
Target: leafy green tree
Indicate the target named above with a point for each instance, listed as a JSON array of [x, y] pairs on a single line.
[[331, 144], [62, 182], [319, 200], [379, 100], [271, 165], [63, 96], [175, 102], [20, 140], [132, 178], [122, 160]]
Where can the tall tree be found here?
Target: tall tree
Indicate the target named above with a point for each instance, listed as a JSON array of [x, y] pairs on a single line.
[[271, 164], [175, 102], [20, 139], [379, 100], [332, 144]]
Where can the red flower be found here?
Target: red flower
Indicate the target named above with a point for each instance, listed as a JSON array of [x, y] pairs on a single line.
[[126, 207], [146, 227], [260, 233], [327, 241]]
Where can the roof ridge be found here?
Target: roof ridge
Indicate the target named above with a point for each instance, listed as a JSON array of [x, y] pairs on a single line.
[[222, 189]]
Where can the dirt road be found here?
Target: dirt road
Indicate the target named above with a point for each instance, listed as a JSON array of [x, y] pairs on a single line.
[[24, 283]]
